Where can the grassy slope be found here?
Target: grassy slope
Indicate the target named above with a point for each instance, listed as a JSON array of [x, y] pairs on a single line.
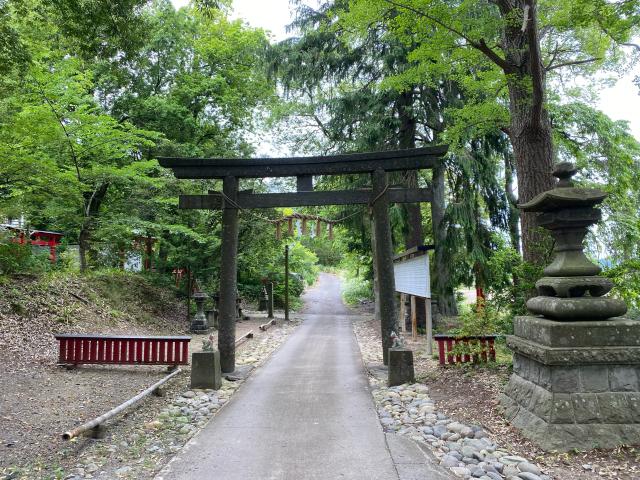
[[33, 309]]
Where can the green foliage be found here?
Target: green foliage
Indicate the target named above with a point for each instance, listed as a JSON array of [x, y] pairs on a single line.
[[626, 278], [485, 319], [329, 252], [16, 258], [355, 290], [358, 279], [102, 89], [303, 262]]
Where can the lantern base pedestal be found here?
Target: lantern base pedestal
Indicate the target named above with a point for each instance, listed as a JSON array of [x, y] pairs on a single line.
[[576, 385]]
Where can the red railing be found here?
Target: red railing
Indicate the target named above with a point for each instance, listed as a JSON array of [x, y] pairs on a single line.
[[449, 354], [121, 350]]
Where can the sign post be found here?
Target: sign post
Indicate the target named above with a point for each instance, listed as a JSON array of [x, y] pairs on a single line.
[[411, 271]]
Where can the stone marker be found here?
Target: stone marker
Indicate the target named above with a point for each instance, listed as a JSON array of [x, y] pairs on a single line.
[[576, 365], [205, 370], [400, 366]]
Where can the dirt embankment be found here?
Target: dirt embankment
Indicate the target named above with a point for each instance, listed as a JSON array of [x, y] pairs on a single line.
[[39, 400]]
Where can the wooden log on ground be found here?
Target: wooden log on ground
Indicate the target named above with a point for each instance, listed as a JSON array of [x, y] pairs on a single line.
[[265, 326], [244, 338], [97, 422]]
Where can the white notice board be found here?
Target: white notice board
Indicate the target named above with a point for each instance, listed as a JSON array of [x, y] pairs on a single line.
[[412, 276]]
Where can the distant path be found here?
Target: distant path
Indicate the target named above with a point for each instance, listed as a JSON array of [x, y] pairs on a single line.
[[306, 414]]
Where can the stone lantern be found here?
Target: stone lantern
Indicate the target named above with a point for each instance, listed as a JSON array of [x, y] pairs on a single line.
[[199, 322], [576, 362]]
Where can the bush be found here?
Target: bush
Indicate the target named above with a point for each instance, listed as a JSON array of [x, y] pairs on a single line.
[[355, 290], [484, 320], [626, 278], [16, 258]]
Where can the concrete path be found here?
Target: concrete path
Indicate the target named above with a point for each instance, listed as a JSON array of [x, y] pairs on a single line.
[[306, 414]]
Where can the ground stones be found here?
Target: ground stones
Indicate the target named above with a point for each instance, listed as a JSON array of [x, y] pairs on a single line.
[[465, 449]]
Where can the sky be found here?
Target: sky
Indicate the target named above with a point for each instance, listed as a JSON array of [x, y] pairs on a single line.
[[620, 102]]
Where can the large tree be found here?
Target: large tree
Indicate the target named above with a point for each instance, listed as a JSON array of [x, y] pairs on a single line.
[[507, 46]]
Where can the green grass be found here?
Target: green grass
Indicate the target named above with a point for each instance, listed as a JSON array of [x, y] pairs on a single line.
[[354, 290]]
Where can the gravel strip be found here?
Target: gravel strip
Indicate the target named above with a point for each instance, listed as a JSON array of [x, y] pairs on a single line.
[[467, 450]]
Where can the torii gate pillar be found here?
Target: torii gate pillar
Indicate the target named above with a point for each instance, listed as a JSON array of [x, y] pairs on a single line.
[[228, 277], [384, 260]]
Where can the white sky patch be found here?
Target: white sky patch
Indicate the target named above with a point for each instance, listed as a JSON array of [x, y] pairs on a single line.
[[622, 101]]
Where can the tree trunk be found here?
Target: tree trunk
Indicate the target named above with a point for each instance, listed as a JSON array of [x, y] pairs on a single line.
[[92, 202], [406, 139], [163, 252], [530, 129], [533, 151], [445, 293]]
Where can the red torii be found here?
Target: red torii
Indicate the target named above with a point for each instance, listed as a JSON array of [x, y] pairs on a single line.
[[41, 238]]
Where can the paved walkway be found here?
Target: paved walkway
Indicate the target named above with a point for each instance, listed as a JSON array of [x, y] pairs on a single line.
[[306, 414]]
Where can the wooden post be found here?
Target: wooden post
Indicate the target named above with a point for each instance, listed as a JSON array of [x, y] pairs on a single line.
[[403, 299], [376, 289], [270, 300], [304, 183], [148, 251], [228, 277], [278, 231], [429, 324], [384, 260], [414, 319], [189, 288], [286, 282]]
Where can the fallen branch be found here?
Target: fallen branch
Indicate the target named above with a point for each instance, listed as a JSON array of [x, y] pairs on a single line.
[[244, 338], [83, 300], [96, 422], [265, 326]]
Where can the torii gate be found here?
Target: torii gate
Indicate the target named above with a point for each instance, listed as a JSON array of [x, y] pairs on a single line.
[[377, 164]]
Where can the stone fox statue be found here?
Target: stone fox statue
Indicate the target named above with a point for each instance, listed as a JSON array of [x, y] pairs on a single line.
[[207, 345], [398, 342]]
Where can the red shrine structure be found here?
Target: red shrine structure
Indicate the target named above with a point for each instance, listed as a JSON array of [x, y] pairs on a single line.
[[40, 238]]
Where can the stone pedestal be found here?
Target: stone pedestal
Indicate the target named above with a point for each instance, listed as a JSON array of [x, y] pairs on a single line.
[[205, 370], [400, 366], [575, 385]]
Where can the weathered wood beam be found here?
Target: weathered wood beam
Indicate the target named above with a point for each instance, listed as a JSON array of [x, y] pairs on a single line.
[[419, 249], [304, 183], [393, 160], [301, 199]]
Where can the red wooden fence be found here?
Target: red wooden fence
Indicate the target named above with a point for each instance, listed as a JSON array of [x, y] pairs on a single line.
[[80, 349], [447, 354]]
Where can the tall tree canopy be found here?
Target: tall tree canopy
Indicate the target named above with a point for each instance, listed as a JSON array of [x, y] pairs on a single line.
[[82, 122], [512, 48]]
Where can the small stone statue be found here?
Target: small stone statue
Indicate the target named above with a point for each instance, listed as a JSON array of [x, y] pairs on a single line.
[[207, 345], [398, 341]]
